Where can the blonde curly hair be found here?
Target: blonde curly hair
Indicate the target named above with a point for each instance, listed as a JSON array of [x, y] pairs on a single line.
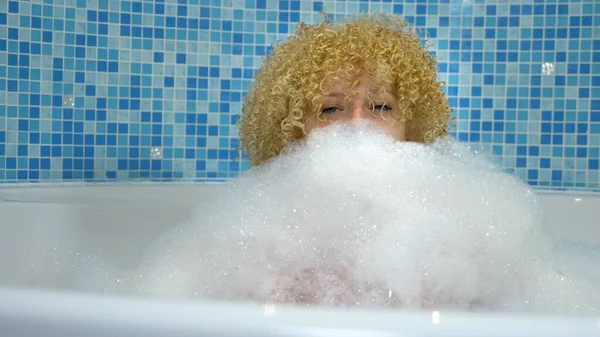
[[290, 85]]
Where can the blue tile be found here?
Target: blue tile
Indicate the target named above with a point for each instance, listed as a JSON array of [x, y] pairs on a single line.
[[217, 83]]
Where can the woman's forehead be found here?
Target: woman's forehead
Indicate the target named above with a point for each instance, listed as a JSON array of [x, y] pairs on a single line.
[[338, 84]]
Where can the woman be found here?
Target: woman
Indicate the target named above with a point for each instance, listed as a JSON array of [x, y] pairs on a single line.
[[371, 67]]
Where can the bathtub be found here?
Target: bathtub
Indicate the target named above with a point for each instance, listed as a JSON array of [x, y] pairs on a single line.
[[132, 212]]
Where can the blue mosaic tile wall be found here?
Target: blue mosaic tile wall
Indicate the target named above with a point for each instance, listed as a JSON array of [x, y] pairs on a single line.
[[117, 89]]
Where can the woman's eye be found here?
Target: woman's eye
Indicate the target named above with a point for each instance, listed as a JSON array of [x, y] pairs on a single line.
[[382, 107], [331, 110]]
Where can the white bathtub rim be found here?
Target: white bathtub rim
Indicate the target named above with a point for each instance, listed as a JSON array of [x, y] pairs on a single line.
[[141, 183], [566, 191], [61, 310]]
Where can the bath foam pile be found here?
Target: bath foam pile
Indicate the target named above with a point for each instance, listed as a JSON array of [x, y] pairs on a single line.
[[352, 218]]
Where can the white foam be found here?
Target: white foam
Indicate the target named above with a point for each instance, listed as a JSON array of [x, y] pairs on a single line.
[[351, 217]]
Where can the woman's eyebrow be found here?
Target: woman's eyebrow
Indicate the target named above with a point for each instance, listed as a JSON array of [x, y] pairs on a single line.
[[336, 94], [385, 95]]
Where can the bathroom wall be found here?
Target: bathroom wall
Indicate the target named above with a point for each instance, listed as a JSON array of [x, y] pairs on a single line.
[[110, 89]]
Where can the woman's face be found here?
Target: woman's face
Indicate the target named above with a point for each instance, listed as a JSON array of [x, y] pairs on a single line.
[[367, 103]]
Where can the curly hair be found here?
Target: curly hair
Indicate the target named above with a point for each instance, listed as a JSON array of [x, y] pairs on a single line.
[[290, 85]]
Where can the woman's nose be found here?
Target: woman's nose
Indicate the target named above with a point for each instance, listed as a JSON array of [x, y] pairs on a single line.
[[360, 112]]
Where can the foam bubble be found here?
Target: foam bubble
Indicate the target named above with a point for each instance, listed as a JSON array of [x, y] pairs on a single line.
[[351, 217]]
